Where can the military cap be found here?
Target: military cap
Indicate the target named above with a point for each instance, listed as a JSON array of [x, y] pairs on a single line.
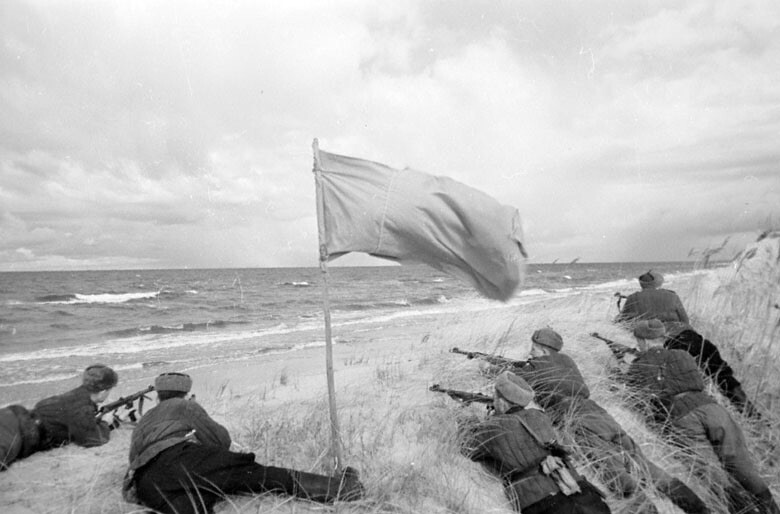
[[173, 381], [651, 279], [514, 389], [99, 377], [549, 338], [649, 329]]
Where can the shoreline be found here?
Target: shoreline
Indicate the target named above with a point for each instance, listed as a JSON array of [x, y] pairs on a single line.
[[287, 345], [300, 338]]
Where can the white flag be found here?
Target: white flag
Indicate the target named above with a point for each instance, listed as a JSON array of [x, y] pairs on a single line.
[[410, 216]]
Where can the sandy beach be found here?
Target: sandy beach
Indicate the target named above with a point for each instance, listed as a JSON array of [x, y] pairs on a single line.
[[400, 435]]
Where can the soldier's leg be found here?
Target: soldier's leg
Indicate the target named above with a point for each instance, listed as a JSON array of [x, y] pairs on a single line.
[[588, 501], [167, 487], [231, 472]]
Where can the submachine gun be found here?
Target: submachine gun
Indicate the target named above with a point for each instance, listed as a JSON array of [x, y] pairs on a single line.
[[127, 401], [618, 350], [464, 397], [495, 360]]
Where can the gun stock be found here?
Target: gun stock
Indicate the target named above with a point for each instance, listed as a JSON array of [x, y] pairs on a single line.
[[618, 350], [126, 401]]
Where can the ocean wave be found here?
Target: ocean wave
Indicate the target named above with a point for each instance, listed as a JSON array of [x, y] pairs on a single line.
[[42, 380], [7, 329], [149, 342], [302, 283], [532, 292], [633, 285], [392, 304], [171, 329], [95, 298]]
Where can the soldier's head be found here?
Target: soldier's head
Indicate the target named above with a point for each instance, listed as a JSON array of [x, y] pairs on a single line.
[[99, 379], [511, 391], [651, 280], [545, 341], [649, 333], [172, 385]]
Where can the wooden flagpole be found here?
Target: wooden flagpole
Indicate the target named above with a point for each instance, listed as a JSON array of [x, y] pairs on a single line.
[[334, 420]]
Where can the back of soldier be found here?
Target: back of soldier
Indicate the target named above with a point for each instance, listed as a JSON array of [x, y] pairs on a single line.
[[554, 376], [665, 373]]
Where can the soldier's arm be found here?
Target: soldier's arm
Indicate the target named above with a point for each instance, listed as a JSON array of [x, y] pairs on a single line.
[[629, 310], [207, 431], [85, 430], [681, 311]]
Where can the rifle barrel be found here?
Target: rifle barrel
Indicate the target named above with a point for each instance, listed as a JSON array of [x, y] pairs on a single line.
[[124, 400], [463, 396]]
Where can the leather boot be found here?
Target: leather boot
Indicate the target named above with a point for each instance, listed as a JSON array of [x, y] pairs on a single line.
[[325, 489], [682, 496], [740, 400]]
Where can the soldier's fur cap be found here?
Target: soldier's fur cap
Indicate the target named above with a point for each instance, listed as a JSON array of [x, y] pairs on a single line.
[[99, 377], [649, 329], [514, 389], [651, 279], [549, 338], [173, 382]]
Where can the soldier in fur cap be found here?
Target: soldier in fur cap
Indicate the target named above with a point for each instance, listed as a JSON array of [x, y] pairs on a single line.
[[619, 462], [672, 380], [71, 417], [518, 443], [181, 463], [664, 305]]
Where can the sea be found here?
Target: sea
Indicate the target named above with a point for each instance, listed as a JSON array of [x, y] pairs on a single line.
[[55, 323]]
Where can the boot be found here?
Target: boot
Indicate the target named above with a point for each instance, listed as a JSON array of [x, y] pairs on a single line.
[[766, 504], [682, 496], [325, 489], [740, 400]]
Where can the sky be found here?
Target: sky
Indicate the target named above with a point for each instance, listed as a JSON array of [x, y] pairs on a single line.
[[173, 134]]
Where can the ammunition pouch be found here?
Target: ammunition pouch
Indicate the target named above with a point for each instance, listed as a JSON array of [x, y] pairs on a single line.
[[556, 468]]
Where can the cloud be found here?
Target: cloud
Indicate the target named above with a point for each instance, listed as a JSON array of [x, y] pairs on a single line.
[[170, 134]]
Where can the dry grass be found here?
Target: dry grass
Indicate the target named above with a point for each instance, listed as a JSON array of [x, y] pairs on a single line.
[[403, 438]]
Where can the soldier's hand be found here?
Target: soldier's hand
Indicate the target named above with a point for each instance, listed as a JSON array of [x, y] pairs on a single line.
[[129, 415], [112, 420]]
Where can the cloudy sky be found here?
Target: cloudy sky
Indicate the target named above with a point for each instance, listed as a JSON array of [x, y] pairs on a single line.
[[178, 134]]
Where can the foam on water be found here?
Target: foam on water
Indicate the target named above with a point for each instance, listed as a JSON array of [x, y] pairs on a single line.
[[96, 298]]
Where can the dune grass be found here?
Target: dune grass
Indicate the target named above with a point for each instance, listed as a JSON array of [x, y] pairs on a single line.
[[404, 438]]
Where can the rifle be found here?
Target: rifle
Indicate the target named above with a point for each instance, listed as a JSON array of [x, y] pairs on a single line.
[[126, 401], [618, 350], [464, 397], [495, 360]]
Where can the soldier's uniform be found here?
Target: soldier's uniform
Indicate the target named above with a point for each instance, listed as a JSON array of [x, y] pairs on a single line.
[[520, 446], [19, 436], [675, 387], [562, 391], [652, 302], [180, 461], [72, 416]]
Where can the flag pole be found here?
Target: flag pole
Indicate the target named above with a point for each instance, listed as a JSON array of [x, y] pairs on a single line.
[[334, 420]]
